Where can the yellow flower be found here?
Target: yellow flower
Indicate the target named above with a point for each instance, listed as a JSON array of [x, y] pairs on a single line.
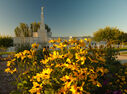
[[55, 54], [51, 41], [78, 57], [66, 65], [81, 40], [23, 57], [13, 60], [45, 74], [62, 90], [68, 80], [33, 52], [7, 70], [118, 80], [125, 90], [81, 74], [58, 65], [68, 60], [123, 78], [125, 72], [18, 55], [102, 70], [93, 76], [106, 71], [99, 84], [59, 40], [85, 39], [35, 45], [34, 63], [61, 45], [82, 43], [101, 59], [83, 60], [13, 71], [73, 89], [26, 52], [93, 60], [76, 90], [33, 90], [9, 63], [44, 61], [30, 56], [125, 82], [38, 77], [36, 88], [47, 71], [110, 83], [44, 49]]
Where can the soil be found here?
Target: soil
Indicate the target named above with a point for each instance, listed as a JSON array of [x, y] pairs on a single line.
[[6, 80]]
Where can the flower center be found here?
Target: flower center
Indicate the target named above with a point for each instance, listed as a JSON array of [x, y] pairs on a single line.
[[69, 80]]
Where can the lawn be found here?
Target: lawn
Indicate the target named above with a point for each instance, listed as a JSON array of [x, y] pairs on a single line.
[[8, 53], [122, 49], [123, 53]]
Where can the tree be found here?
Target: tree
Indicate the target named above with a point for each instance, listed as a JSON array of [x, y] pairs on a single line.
[[25, 30], [34, 27], [22, 30], [17, 32], [108, 34], [47, 28]]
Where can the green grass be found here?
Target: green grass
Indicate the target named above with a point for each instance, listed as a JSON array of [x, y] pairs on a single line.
[[123, 53], [121, 49], [8, 53]]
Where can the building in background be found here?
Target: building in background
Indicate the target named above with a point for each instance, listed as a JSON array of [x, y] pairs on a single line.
[[41, 37]]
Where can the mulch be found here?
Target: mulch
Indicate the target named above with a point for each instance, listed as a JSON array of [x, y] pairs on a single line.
[[6, 80]]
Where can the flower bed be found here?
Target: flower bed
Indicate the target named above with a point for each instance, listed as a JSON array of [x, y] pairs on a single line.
[[68, 67]]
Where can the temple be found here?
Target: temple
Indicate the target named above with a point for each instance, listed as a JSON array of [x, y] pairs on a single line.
[[41, 37]]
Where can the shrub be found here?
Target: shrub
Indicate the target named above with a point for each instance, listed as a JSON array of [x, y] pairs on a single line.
[[70, 67], [23, 47], [6, 41]]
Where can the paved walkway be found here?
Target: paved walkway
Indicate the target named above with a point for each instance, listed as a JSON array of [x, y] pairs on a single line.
[[122, 58]]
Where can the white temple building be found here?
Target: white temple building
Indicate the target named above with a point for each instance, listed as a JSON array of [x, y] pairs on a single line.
[[41, 37]]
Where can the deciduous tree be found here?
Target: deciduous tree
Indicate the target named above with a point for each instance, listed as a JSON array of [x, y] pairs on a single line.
[[109, 34]]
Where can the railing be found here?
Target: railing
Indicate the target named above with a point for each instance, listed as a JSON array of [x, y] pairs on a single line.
[[30, 40]]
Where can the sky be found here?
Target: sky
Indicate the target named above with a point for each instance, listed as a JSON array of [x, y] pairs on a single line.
[[64, 17]]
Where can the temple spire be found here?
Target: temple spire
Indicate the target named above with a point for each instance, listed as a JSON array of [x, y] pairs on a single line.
[[42, 18], [42, 9], [42, 32]]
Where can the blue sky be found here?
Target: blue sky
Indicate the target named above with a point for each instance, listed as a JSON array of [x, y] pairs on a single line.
[[65, 17]]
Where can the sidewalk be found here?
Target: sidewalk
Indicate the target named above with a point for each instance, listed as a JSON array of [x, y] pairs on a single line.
[[122, 58]]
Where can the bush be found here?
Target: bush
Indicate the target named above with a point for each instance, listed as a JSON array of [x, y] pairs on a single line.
[[70, 67], [23, 47], [6, 41]]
